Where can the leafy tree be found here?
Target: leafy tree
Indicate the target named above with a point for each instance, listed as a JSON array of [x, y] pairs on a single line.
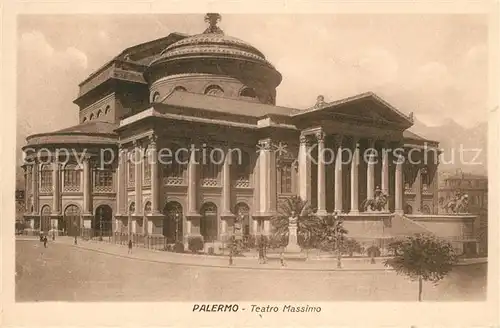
[[333, 235], [423, 258], [351, 246], [307, 222]]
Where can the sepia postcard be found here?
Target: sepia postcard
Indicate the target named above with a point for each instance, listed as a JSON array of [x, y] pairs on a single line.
[[210, 166]]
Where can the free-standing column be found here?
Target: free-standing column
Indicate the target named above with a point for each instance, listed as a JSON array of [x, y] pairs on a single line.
[[338, 174], [27, 170], [55, 187], [385, 173], [86, 185], [320, 136], [138, 160], [354, 178], [398, 179], [370, 170], [155, 188], [304, 170]]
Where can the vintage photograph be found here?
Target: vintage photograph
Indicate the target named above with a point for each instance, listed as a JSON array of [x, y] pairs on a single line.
[[219, 157]]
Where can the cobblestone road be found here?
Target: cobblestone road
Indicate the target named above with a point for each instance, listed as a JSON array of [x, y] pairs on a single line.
[[65, 273]]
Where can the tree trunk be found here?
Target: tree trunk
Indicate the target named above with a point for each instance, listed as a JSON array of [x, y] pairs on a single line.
[[420, 289]]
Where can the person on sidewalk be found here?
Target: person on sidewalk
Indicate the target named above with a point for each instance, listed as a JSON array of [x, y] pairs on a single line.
[[282, 259], [45, 241], [130, 246]]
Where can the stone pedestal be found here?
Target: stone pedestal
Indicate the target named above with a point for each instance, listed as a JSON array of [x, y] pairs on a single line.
[[293, 246]]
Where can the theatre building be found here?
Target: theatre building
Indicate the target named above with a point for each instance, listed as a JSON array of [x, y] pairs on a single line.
[[216, 94]]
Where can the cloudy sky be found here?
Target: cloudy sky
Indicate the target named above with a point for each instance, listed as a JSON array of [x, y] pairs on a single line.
[[434, 65]]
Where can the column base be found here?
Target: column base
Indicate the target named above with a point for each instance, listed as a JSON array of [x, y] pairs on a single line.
[[227, 215], [354, 212], [193, 215], [322, 213], [399, 212]]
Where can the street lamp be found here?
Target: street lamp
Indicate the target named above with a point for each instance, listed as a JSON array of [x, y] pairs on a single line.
[[100, 224], [53, 232], [176, 227]]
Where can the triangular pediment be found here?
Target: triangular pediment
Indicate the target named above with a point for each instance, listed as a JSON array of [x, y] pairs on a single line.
[[365, 108]]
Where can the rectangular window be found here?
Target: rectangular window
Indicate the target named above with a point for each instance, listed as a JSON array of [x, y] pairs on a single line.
[[103, 180], [285, 172], [46, 179]]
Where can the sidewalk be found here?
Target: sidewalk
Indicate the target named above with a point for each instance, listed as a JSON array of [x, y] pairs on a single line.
[[251, 263]]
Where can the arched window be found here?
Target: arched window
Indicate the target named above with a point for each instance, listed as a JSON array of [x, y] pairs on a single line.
[[155, 97], [248, 92], [46, 178], [179, 88], [240, 162], [84, 120], [408, 209], [131, 208], [91, 117], [426, 209], [106, 110], [214, 90], [99, 113], [174, 167], [211, 160], [71, 177]]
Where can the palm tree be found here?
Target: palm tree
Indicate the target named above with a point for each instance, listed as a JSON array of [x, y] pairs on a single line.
[[307, 222]]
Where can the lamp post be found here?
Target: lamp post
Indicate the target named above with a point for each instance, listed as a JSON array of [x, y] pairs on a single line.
[[176, 227], [100, 224], [53, 232]]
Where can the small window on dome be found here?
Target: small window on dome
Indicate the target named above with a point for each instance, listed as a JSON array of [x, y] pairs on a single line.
[[156, 96], [107, 109], [91, 117], [248, 92], [214, 90], [179, 88], [84, 120], [99, 113]]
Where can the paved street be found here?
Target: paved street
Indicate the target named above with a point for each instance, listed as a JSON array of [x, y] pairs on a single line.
[[65, 273]]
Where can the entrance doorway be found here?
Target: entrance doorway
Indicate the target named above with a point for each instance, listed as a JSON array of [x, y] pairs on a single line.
[[242, 220], [102, 224], [45, 218], [71, 221], [172, 222], [208, 222]]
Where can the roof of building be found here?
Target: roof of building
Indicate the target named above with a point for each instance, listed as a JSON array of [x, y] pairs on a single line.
[[225, 105], [92, 127]]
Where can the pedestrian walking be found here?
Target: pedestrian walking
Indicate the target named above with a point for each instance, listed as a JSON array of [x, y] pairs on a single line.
[[130, 246], [282, 259], [45, 241]]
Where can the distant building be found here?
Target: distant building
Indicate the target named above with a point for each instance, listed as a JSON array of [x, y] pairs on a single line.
[[476, 187]]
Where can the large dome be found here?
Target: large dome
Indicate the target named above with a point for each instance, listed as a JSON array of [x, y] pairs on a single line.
[[212, 45]]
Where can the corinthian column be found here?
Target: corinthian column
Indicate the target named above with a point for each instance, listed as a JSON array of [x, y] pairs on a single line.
[[354, 178], [338, 174], [155, 190], [34, 186], [86, 185], [304, 170], [55, 187], [398, 193], [320, 136], [192, 185], [120, 181], [226, 192], [138, 159], [385, 173], [370, 170]]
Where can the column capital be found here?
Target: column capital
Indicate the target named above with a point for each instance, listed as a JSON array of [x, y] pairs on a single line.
[[320, 136], [264, 144], [153, 138], [304, 139]]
